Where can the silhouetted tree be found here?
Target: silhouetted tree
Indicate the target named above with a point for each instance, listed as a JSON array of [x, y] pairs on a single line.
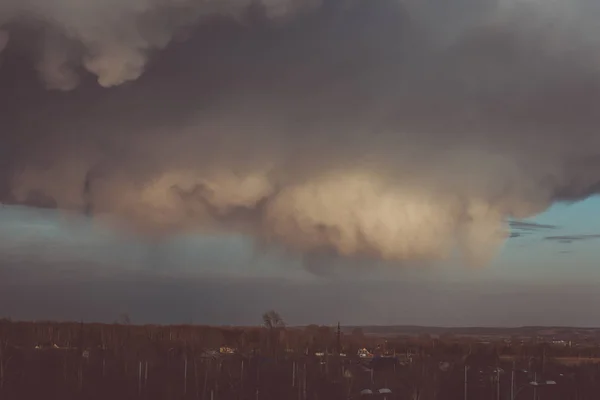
[[274, 324], [272, 320]]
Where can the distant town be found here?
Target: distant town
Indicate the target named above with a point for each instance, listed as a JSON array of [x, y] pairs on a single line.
[[276, 361]]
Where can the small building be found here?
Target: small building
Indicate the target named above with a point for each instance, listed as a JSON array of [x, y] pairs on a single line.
[[364, 353]]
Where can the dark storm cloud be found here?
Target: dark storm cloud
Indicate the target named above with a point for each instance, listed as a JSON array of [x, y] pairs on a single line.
[[530, 226], [523, 228], [373, 129], [573, 238]]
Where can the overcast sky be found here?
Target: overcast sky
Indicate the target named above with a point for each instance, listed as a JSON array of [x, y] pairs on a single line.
[[375, 161]]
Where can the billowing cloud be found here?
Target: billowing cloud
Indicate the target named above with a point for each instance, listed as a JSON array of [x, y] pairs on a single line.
[[113, 39], [379, 129]]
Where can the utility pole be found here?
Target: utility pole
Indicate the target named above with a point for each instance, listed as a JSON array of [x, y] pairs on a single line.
[[497, 383], [339, 340], [466, 383], [512, 382]]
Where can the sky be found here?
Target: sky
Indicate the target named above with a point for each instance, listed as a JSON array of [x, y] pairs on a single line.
[[63, 267], [425, 162], [569, 251]]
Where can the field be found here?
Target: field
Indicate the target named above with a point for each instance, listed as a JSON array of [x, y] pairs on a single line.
[[94, 361]]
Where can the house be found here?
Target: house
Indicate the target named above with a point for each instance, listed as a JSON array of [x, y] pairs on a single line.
[[225, 350], [364, 353]]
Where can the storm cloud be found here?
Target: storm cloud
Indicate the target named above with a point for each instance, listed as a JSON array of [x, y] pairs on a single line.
[[399, 131]]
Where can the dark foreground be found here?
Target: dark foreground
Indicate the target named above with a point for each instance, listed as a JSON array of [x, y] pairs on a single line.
[[76, 361]]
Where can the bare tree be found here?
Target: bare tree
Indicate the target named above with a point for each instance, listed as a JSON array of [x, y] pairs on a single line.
[[272, 320], [274, 324]]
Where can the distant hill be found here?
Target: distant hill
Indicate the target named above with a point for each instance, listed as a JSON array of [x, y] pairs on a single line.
[[523, 331]]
